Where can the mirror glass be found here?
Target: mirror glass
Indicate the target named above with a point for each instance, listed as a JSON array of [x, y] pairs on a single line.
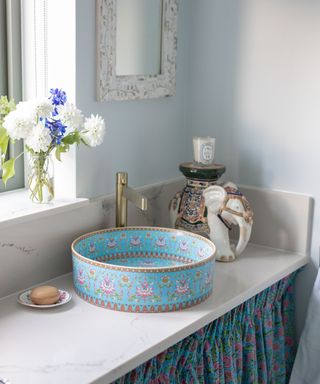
[[138, 37]]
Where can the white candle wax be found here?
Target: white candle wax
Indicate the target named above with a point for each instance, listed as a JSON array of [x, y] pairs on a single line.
[[203, 149]]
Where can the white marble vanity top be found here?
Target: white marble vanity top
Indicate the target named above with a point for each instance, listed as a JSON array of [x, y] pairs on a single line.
[[80, 343]]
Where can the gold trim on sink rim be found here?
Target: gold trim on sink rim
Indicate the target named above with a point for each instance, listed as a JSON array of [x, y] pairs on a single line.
[[149, 269]]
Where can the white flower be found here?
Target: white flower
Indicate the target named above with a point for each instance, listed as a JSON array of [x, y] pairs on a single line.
[[18, 125], [35, 109], [43, 108], [39, 139], [26, 108], [93, 132], [71, 116]]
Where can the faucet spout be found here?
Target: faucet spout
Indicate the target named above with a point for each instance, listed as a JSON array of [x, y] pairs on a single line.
[[136, 198], [123, 194]]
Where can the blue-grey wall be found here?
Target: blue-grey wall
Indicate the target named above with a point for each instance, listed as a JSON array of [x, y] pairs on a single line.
[[254, 84], [147, 138], [248, 74]]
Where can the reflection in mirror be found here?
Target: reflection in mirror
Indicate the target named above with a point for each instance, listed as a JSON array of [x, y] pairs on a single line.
[[138, 37]]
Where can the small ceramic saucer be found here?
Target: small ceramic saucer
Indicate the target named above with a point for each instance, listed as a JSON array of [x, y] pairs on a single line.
[[24, 299]]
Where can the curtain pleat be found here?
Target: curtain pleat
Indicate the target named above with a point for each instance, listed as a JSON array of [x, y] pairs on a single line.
[[252, 344]]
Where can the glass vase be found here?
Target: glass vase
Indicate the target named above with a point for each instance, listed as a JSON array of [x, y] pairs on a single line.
[[41, 178]]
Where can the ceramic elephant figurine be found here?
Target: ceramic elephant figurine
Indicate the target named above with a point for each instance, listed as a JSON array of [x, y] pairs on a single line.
[[174, 208], [225, 206]]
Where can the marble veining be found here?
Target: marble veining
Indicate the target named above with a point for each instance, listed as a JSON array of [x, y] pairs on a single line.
[[21, 248]]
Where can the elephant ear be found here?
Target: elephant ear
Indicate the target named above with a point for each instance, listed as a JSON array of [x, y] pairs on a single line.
[[230, 187], [214, 197]]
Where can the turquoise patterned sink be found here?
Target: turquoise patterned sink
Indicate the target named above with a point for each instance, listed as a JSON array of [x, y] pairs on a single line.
[[143, 269]]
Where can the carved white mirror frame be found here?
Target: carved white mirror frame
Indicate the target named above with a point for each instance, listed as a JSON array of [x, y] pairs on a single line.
[[113, 87]]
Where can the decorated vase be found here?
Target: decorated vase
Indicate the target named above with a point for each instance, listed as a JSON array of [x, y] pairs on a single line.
[[187, 208]]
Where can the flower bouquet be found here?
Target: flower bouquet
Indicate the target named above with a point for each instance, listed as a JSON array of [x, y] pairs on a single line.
[[47, 125]]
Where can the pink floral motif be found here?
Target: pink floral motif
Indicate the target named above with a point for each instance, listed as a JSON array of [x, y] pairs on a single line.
[[111, 243], [165, 279], [208, 279], [183, 246], [144, 290], [182, 286], [81, 277], [198, 274], [227, 361], [201, 253], [276, 366], [289, 341], [135, 241], [161, 241], [107, 286], [147, 263], [125, 280]]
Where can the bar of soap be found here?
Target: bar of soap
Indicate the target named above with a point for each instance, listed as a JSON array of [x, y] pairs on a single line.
[[45, 295]]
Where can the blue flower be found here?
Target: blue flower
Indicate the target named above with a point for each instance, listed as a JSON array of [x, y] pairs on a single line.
[[57, 130], [58, 96]]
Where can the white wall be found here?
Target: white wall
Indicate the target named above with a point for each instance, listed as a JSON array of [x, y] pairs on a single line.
[[145, 137], [255, 85]]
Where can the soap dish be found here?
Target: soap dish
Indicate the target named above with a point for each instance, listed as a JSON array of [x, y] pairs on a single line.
[[24, 299]]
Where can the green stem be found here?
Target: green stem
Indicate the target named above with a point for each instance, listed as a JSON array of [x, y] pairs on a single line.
[[39, 178]]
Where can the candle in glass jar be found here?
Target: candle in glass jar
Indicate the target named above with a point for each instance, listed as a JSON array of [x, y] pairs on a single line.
[[203, 149]]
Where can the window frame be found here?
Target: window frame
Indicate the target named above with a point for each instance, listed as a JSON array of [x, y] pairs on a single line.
[[14, 85]]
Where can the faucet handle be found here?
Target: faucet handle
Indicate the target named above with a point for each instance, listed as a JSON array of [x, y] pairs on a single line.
[[136, 198]]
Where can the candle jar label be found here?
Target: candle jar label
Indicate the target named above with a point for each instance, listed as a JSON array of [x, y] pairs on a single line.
[[203, 150], [206, 153]]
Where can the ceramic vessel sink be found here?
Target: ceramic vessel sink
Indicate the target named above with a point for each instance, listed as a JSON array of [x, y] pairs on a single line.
[[143, 269]]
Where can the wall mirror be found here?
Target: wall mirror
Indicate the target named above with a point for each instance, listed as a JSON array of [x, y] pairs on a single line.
[[136, 48]]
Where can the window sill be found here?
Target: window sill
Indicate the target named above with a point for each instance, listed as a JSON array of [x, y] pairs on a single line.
[[16, 207]]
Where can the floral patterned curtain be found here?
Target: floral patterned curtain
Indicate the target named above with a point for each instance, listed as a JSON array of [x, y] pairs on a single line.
[[252, 344]]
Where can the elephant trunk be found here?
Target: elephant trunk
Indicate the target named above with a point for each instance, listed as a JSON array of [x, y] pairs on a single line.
[[244, 235]]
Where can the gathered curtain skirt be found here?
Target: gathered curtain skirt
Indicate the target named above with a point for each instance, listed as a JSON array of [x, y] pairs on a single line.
[[252, 344]]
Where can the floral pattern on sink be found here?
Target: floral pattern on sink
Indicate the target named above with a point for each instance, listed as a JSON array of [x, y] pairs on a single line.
[[139, 269]]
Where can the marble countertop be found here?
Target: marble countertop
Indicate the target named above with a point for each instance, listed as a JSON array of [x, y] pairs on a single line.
[[81, 343]]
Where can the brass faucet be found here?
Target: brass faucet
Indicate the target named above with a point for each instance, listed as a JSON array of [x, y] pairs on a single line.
[[123, 194]]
